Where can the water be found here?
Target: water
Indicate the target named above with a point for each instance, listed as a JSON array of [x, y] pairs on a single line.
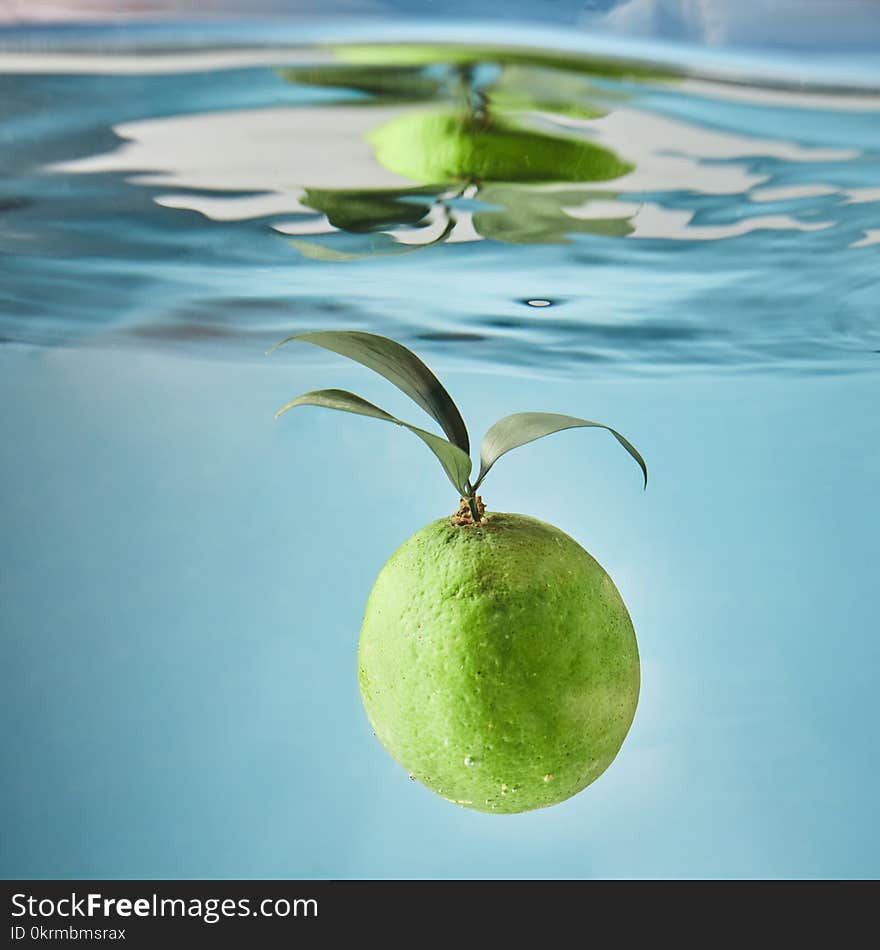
[[184, 579]]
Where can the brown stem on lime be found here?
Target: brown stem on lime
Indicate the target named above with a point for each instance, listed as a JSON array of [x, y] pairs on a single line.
[[470, 512]]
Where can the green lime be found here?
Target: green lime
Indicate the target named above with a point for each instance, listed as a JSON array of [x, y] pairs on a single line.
[[498, 663]]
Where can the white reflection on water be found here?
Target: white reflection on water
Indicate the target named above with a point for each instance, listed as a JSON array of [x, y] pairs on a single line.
[[277, 153], [872, 236]]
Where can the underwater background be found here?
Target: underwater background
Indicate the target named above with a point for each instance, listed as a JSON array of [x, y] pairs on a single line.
[[663, 216]]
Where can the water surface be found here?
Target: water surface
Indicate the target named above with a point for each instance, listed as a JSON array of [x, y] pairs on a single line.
[[185, 578]]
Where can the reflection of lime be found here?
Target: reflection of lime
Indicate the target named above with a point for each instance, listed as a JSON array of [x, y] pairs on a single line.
[[445, 146], [498, 663]]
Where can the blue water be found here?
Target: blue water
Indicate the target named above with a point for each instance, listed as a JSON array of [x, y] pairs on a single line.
[[184, 578]]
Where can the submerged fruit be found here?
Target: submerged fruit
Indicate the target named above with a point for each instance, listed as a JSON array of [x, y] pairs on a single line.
[[497, 660], [498, 663]]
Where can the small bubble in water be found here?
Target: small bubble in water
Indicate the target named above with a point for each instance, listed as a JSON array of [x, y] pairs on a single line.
[[538, 302], [468, 761]]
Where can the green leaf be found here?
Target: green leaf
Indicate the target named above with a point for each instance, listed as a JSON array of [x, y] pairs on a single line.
[[399, 366], [518, 214], [455, 462], [388, 85], [362, 212], [534, 88], [316, 251], [523, 427], [411, 54]]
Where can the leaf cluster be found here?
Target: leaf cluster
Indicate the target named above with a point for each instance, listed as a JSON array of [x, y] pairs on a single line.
[[410, 375]]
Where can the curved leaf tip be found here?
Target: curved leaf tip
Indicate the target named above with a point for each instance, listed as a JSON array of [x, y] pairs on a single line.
[[524, 427]]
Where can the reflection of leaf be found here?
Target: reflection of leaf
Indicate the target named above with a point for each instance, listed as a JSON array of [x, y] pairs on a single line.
[[456, 462], [442, 145], [364, 211], [323, 252], [410, 54], [514, 214], [387, 83], [522, 88], [503, 101], [536, 216], [319, 251]]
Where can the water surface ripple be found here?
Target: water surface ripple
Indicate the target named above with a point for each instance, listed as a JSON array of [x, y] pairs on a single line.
[[663, 221]]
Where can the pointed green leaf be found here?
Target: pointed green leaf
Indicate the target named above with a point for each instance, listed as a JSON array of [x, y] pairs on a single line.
[[455, 462], [522, 427], [391, 85], [316, 251], [520, 215], [399, 366], [536, 88], [364, 212]]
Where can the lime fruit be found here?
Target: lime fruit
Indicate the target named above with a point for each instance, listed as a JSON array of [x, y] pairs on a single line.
[[498, 663]]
